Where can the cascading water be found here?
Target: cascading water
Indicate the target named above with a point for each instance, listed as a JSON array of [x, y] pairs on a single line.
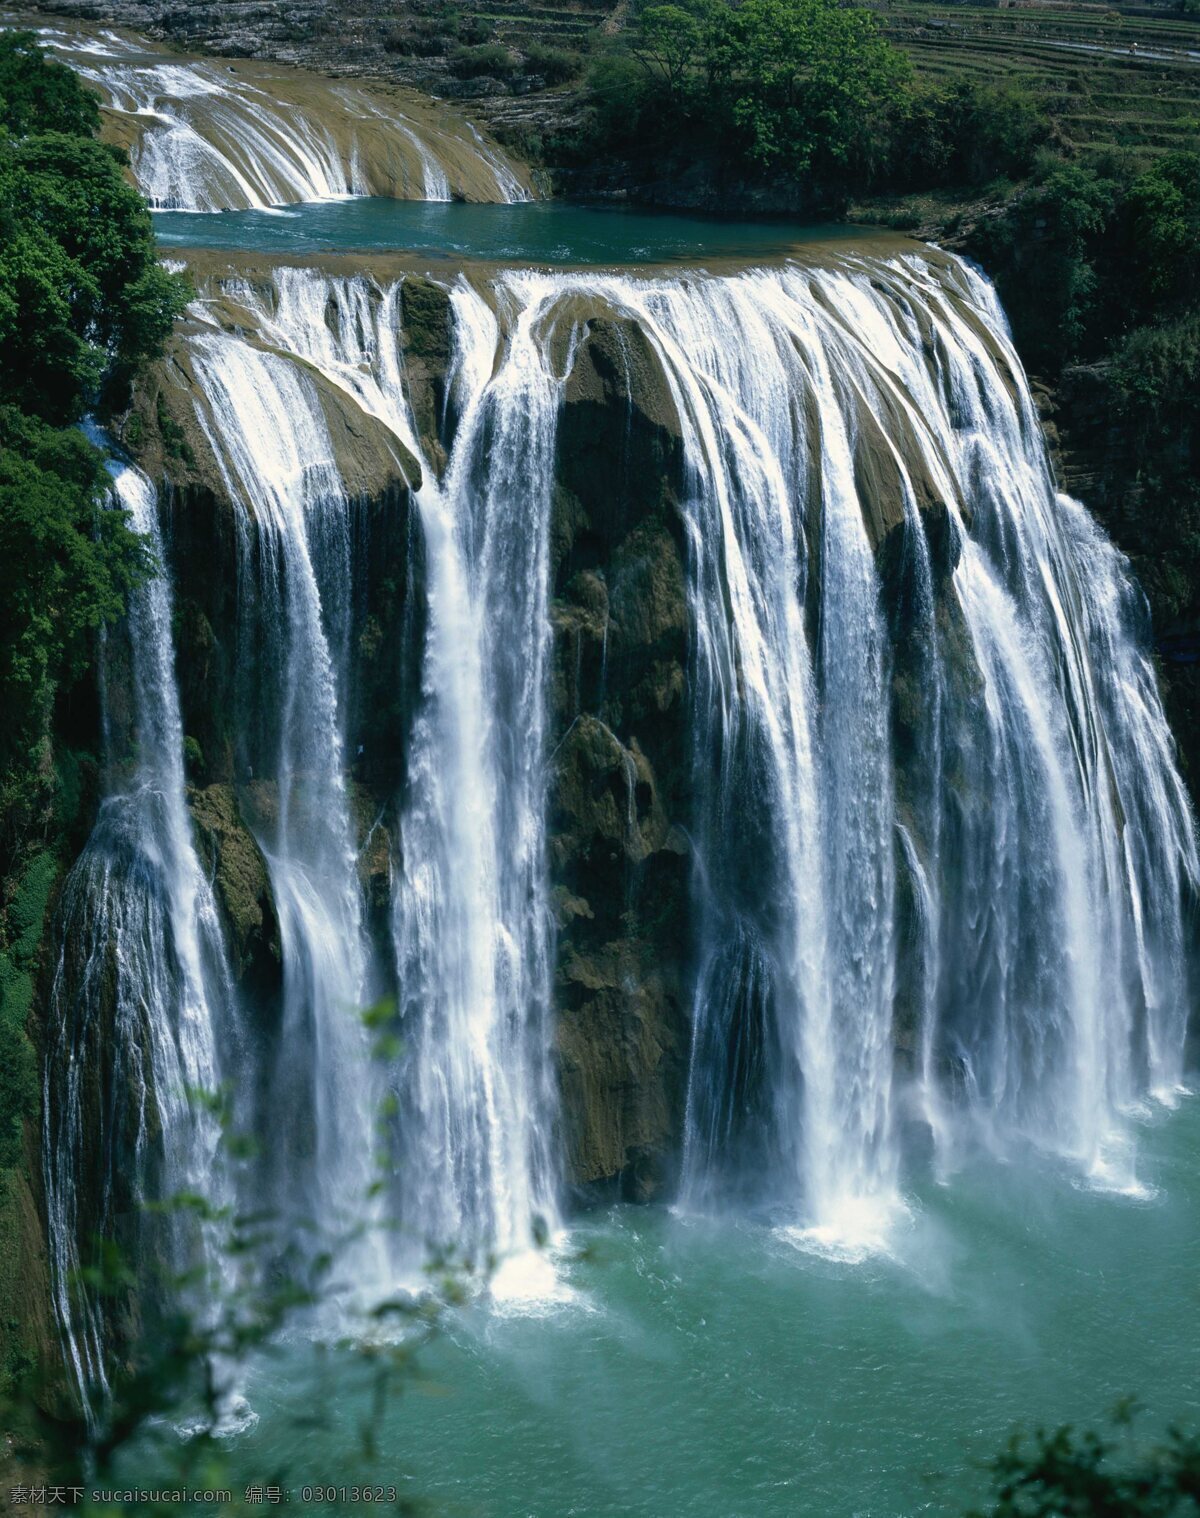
[[209, 136], [434, 183], [796, 900], [1028, 792], [1037, 724], [471, 923], [941, 851], [510, 187], [139, 990], [471, 920], [1059, 994], [270, 438]]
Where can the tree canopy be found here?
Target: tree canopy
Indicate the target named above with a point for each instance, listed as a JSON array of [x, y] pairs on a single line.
[[804, 78], [798, 81], [806, 92], [40, 95], [83, 301], [65, 566], [82, 296], [1066, 1474]]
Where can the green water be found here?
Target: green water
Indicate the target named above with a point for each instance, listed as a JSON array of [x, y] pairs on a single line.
[[534, 232], [710, 1368]]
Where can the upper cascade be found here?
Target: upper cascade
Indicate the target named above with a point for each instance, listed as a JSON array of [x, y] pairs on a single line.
[[208, 134]]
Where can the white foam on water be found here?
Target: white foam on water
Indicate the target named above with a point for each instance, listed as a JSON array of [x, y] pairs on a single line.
[[856, 1230]]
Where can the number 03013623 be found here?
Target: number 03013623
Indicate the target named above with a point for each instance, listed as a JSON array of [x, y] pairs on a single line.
[[348, 1494]]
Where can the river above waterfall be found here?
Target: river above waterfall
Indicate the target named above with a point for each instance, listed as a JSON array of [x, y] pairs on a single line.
[[537, 232]]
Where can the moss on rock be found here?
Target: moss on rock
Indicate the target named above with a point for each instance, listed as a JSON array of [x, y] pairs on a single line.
[[242, 884], [427, 328], [622, 1060], [28, 1339], [29, 1354]]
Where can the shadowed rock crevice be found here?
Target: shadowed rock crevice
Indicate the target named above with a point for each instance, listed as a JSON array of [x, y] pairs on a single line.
[[619, 774]]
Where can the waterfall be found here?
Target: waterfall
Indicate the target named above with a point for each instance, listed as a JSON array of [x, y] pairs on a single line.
[[1059, 997], [470, 918], [471, 921], [210, 136], [243, 154], [510, 188], [1056, 804], [135, 1009], [868, 503], [791, 752], [435, 185], [269, 436], [942, 856]]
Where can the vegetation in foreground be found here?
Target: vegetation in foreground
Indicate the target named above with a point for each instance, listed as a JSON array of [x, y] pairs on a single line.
[[1065, 1474], [162, 1424]]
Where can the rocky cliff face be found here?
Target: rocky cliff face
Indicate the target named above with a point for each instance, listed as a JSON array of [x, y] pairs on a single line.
[[619, 855], [1101, 457]]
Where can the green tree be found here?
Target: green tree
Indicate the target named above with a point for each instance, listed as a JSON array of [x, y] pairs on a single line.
[[66, 566], [1043, 255], [1152, 397], [1163, 208], [989, 130], [1069, 1475], [620, 95], [37, 95], [83, 301], [83, 298], [671, 44], [803, 90], [46, 361], [806, 81]]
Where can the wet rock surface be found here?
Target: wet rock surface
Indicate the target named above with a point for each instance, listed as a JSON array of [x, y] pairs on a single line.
[[1100, 459], [239, 872], [619, 779]]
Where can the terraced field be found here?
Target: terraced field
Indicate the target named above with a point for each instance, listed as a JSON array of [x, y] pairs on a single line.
[[1111, 79], [518, 23]]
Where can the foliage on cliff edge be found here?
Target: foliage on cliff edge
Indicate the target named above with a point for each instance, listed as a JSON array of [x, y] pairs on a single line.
[[83, 301], [805, 98]]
